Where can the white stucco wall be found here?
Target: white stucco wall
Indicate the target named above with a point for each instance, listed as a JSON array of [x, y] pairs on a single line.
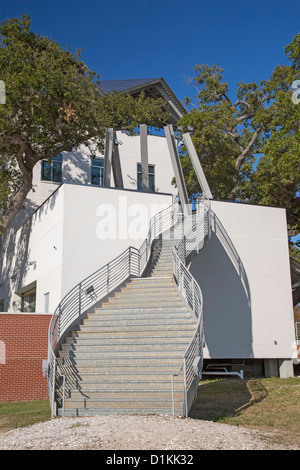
[[66, 238], [30, 257], [244, 275], [100, 223], [76, 168]]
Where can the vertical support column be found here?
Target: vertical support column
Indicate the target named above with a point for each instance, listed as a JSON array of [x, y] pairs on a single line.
[[144, 156], [108, 156], [196, 165], [177, 169], [116, 164]]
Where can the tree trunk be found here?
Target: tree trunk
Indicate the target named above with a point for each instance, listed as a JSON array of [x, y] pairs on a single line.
[[16, 203]]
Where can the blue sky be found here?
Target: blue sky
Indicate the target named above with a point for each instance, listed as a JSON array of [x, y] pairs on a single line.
[[166, 38]]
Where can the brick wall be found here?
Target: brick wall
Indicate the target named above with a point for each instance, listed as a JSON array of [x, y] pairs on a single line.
[[23, 346]]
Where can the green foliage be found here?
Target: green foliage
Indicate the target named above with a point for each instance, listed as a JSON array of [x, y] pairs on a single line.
[[249, 149], [53, 104]]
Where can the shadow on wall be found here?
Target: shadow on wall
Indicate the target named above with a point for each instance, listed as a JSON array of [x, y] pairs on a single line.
[[222, 278], [16, 257]]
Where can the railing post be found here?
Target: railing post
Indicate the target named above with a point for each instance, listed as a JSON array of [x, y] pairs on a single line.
[[129, 264], [79, 299], [107, 278], [173, 402], [185, 388], [53, 387], [193, 295]]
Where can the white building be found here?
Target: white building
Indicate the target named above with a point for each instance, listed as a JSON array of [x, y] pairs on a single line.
[[86, 211]]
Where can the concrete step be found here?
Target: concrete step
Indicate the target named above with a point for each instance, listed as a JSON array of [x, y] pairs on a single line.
[[115, 322], [119, 403], [150, 287], [142, 368], [135, 393], [123, 385], [129, 361], [141, 303], [79, 412], [157, 354], [118, 377], [128, 341], [125, 332], [140, 281], [118, 314], [150, 295], [136, 310], [151, 330]]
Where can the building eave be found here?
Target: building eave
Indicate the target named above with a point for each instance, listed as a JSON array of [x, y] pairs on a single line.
[[154, 87]]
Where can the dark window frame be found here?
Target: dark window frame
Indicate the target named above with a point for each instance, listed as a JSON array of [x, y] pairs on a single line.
[[51, 170]]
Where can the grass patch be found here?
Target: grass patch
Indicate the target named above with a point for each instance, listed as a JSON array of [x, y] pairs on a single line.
[[23, 413], [265, 404]]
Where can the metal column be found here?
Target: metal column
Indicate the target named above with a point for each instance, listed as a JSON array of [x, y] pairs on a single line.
[[108, 153], [177, 169], [116, 164], [144, 156], [197, 165]]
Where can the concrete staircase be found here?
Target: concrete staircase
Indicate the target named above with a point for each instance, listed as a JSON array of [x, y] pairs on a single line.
[[121, 358]]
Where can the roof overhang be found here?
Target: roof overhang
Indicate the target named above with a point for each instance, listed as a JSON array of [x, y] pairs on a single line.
[[153, 87]]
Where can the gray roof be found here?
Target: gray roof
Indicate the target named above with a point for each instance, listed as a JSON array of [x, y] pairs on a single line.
[[155, 87]]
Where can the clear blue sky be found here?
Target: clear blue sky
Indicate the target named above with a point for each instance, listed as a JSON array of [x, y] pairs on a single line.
[[166, 38]]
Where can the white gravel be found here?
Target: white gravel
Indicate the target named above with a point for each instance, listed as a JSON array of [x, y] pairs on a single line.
[[136, 432]]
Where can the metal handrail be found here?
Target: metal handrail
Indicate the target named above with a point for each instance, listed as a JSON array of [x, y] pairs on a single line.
[[193, 239], [132, 262]]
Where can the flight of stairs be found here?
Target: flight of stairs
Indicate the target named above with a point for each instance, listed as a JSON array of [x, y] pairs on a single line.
[[121, 358]]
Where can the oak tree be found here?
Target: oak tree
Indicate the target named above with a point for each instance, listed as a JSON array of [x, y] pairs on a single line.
[[53, 104], [249, 146]]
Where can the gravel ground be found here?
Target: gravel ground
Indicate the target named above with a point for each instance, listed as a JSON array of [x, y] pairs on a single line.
[[137, 432]]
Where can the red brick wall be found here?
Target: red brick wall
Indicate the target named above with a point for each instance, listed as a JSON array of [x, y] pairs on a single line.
[[23, 346]]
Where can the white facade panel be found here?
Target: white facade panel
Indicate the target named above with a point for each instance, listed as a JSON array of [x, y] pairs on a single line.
[[100, 223], [244, 275], [76, 231], [77, 168]]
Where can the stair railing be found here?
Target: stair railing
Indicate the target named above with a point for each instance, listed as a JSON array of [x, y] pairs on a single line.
[[131, 263], [193, 240]]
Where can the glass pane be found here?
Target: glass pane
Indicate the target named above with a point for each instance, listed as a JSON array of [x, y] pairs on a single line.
[[95, 179], [57, 158], [151, 169], [101, 176], [46, 170], [139, 182], [98, 162], [151, 183], [28, 301], [56, 172]]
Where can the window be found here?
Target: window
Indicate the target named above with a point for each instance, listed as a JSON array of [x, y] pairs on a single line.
[[97, 173], [28, 301], [151, 172], [51, 169]]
